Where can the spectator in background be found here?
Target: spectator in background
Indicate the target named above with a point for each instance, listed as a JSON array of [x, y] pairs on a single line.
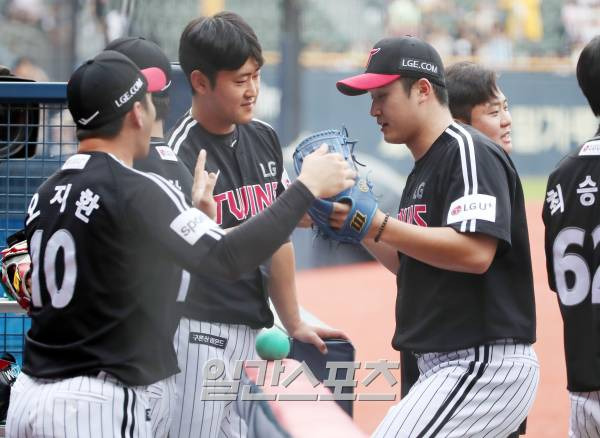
[[581, 20], [498, 49], [26, 11], [26, 68], [403, 18], [523, 19], [465, 42]]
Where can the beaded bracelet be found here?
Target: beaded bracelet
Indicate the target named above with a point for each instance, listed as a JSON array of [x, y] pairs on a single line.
[[381, 227]]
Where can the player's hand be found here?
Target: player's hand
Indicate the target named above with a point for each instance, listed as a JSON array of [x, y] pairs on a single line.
[[202, 189], [315, 335], [338, 215], [326, 174]]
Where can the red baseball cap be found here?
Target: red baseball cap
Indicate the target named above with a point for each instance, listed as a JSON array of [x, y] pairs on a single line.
[[145, 54], [392, 58]]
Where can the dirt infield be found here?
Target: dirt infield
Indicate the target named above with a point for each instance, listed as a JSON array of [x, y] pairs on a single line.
[[360, 300]]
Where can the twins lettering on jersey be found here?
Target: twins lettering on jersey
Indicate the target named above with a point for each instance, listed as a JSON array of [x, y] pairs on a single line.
[[247, 199], [414, 215]]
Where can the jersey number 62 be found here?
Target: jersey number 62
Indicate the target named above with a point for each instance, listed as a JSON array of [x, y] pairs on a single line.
[[564, 262]]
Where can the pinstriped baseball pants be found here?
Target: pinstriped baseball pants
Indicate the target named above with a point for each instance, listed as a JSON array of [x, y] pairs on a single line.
[[87, 406], [195, 417], [485, 391], [162, 400], [585, 415]]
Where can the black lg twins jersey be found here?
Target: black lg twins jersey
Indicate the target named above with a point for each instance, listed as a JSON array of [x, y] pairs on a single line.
[[162, 160], [571, 215], [251, 175], [98, 231], [468, 183]]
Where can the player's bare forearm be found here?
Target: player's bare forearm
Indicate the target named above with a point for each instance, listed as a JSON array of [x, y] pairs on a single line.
[[282, 290], [385, 254], [442, 247], [282, 286]]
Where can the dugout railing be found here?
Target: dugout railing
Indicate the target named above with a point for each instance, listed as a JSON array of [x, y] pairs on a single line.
[[37, 134]]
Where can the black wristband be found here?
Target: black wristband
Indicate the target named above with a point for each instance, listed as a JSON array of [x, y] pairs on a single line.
[[381, 227]]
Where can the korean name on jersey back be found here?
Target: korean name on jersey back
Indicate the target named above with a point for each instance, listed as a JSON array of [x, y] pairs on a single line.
[[572, 246]]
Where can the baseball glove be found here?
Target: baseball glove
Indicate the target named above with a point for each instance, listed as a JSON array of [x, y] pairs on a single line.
[[16, 273], [360, 197]]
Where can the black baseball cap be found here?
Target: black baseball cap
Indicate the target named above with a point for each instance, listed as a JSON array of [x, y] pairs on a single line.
[[392, 58], [106, 87], [144, 54]]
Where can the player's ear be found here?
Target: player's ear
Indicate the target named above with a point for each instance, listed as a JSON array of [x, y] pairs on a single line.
[[200, 83], [137, 115], [424, 89]]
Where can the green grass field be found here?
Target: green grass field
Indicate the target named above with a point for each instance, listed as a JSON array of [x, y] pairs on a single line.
[[534, 187]]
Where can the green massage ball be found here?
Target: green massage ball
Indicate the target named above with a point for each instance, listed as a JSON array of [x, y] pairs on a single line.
[[272, 344]]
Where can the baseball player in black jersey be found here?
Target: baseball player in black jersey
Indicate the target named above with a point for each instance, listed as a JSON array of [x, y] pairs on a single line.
[[474, 98], [162, 161], [460, 251], [95, 230], [221, 58], [570, 215]]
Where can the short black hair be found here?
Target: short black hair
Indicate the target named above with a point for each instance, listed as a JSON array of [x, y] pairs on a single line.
[[588, 74], [440, 92], [110, 129], [469, 85], [221, 42], [161, 103], [107, 131]]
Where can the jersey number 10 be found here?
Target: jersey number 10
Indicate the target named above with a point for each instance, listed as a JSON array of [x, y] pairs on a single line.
[[60, 297], [569, 262]]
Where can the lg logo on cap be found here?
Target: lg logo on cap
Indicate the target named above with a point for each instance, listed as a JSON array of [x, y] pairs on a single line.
[[371, 53], [125, 97], [417, 64]]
